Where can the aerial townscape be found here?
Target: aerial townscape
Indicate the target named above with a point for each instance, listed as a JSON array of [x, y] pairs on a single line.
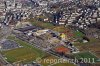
[[49, 32]]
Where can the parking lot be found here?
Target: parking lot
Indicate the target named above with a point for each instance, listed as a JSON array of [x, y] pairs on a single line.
[[8, 45]]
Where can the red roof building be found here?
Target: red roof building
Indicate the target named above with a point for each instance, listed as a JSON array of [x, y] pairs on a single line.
[[62, 49]]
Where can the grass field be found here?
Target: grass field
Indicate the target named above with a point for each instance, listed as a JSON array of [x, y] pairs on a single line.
[[86, 55], [42, 24], [78, 34], [24, 54], [20, 55]]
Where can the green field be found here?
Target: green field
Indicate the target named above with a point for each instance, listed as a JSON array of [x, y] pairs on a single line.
[[78, 34], [26, 53], [42, 24], [20, 55], [86, 55]]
